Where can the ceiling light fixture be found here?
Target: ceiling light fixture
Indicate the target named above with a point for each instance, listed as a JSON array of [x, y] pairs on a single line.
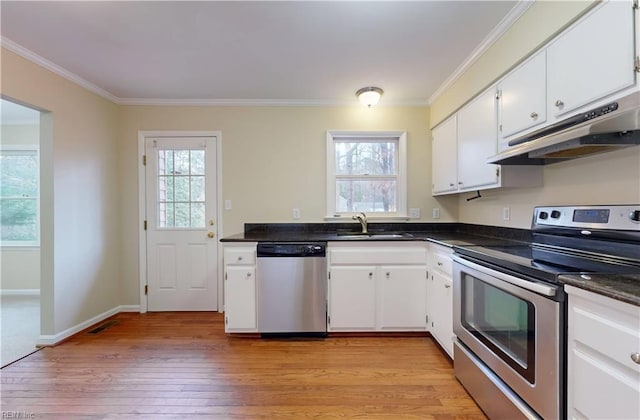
[[369, 96]]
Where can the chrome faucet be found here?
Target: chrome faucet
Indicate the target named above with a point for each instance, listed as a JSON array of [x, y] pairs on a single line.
[[362, 218]]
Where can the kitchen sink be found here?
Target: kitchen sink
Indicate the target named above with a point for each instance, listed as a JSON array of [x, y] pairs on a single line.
[[374, 235]]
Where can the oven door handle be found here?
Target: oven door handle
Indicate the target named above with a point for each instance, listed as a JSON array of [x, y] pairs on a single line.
[[528, 285]]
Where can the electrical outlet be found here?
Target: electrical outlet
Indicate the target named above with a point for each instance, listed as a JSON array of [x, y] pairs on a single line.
[[296, 213], [435, 213], [414, 213], [227, 204], [506, 213]]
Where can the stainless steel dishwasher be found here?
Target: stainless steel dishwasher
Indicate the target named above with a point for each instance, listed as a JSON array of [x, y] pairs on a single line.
[[292, 289]]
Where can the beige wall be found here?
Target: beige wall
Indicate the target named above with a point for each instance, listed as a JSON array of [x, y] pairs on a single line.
[[20, 266], [79, 193], [273, 160], [601, 179]]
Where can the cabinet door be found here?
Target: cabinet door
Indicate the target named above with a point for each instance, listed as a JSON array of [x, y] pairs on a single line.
[[444, 154], [441, 313], [592, 59], [523, 99], [477, 140], [403, 300], [240, 298], [352, 298]]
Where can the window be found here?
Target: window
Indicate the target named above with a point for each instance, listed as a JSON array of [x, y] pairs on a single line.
[[19, 196], [366, 172], [181, 189]]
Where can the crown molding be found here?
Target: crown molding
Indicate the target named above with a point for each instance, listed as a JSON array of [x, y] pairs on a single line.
[[60, 71], [257, 102], [497, 32]]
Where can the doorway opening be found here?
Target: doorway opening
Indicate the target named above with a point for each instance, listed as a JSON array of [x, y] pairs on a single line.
[[20, 251]]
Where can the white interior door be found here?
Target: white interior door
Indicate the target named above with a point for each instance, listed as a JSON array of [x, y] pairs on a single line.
[[181, 227]]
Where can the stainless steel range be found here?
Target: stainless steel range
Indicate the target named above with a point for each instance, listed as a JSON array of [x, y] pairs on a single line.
[[510, 309]]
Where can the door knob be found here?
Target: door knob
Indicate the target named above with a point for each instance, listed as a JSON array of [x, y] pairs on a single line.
[[211, 234], [559, 103]]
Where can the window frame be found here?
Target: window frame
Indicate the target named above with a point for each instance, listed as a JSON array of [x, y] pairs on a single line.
[[401, 176], [25, 148]]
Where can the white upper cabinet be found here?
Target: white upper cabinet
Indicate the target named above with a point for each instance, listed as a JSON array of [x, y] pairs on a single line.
[[477, 140], [461, 146], [444, 167], [592, 59], [523, 99]]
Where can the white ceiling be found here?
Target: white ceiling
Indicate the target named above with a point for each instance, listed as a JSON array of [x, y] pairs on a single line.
[[287, 52]]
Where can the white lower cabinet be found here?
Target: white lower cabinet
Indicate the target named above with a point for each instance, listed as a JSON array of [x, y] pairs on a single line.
[[240, 288], [403, 302], [603, 337], [352, 298], [440, 292], [377, 287]]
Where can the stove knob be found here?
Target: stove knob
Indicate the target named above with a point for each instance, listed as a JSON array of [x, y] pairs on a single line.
[[635, 215], [555, 214], [543, 215]]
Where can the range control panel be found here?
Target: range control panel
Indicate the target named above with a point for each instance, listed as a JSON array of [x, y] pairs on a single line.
[[619, 217]]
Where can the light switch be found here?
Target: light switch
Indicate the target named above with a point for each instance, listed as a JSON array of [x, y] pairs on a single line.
[[227, 204], [414, 213]]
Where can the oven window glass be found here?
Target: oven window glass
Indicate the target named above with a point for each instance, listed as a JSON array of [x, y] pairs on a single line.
[[503, 322]]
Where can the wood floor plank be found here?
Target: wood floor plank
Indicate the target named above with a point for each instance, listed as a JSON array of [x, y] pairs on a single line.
[[182, 365]]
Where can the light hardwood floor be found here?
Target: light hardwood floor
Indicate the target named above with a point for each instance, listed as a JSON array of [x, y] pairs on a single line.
[[182, 365]]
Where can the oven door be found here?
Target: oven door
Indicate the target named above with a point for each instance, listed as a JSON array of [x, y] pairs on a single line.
[[512, 325]]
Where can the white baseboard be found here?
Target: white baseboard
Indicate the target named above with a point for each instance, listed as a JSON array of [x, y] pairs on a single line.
[[19, 292], [51, 340]]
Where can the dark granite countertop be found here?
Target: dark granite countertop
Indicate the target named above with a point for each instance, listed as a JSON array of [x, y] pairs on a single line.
[[447, 234], [622, 287]]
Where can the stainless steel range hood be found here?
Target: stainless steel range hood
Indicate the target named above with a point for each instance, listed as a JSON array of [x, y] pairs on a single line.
[[609, 127]]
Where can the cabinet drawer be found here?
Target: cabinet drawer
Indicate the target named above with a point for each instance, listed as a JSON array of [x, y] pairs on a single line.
[[610, 332], [240, 256], [442, 262], [375, 255]]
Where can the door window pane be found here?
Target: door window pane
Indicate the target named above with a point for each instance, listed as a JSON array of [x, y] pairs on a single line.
[[181, 189]]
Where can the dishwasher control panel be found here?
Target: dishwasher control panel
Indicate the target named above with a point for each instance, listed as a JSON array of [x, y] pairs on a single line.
[[277, 249]]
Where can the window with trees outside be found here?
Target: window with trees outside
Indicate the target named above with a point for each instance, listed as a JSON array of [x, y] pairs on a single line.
[[19, 196], [366, 172]]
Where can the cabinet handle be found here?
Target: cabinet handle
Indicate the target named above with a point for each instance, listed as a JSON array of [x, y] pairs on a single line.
[[635, 357], [459, 182], [439, 264], [559, 103], [239, 258], [248, 274], [447, 286], [388, 274], [451, 184], [370, 275], [534, 115]]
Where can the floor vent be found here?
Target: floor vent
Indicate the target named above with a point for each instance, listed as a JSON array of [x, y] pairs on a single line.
[[103, 326]]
